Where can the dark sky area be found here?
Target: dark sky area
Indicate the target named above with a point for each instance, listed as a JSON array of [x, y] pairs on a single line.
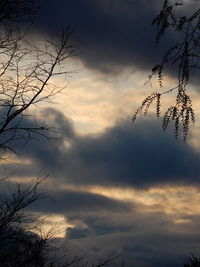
[[112, 35]]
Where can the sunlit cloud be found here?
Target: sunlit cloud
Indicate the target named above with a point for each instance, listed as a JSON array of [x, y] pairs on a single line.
[[175, 202], [52, 225]]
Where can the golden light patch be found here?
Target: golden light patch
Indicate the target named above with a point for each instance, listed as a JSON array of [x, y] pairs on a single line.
[[22, 180], [12, 158], [53, 226], [94, 103], [182, 221], [176, 202]]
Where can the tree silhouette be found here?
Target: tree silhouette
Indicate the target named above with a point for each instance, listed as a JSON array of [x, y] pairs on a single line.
[[19, 244], [26, 71], [183, 58], [193, 261]]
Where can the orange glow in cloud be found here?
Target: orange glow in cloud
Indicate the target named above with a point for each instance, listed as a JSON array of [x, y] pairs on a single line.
[[173, 201]]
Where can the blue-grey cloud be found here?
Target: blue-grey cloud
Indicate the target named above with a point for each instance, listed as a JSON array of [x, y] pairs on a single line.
[[143, 248], [111, 35], [138, 155], [69, 202]]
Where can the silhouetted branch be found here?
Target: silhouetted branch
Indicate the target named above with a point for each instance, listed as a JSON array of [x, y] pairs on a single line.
[[184, 55], [25, 82]]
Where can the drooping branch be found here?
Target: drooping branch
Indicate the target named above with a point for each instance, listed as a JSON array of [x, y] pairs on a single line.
[[183, 57]]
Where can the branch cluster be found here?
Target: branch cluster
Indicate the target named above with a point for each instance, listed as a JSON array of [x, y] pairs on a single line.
[[19, 245], [184, 55], [25, 81]]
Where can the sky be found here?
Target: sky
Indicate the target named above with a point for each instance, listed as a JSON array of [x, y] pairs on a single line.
[[114, 185]]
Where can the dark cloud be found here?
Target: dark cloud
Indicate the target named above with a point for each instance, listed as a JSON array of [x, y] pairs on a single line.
[[111, 222], [147, 247], [138, 155], [111, 35], [69, 202]]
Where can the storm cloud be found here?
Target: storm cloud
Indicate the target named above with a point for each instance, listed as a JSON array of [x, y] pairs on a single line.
[[138, 155], [111, 35]]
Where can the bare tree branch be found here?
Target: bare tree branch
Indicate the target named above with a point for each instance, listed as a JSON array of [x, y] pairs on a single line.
[[184, 58]]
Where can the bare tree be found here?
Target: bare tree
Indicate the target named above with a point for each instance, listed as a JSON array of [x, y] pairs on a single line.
[[183, 57], [19, 245], [17, 10], [23, 241], [13, 15], [193, 261], [25, 77], [26, 71]]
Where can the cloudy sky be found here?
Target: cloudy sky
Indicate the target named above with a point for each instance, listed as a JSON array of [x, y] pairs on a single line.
[[114, 185]]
